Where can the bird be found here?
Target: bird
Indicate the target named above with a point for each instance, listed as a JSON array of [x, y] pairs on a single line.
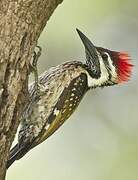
[[61, 90]]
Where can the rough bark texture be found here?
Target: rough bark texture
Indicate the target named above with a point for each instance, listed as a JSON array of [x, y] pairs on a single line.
[[21, 22]]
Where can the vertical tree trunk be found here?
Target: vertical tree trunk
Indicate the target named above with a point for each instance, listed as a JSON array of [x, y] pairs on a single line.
[[21, 22]]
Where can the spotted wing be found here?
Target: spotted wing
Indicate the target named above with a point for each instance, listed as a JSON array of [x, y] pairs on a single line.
[[62, 88], [67, 103]]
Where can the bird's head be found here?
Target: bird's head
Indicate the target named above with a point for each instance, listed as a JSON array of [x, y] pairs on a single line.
[[106, 67]]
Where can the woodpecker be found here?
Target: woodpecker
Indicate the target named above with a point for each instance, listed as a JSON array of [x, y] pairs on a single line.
[[61, 89]]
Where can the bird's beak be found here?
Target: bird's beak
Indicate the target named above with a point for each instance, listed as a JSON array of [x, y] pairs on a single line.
[[88, 45], [92, 58]]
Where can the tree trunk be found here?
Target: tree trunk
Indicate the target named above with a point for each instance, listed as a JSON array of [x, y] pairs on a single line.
[[21, 22]]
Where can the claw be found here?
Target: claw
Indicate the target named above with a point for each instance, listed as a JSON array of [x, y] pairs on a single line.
[[33, 67]]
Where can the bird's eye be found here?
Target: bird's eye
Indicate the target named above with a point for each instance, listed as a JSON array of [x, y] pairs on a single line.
[[104, 56]]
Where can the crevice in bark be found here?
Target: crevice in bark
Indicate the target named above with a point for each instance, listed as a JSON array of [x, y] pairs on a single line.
[[21, 23]]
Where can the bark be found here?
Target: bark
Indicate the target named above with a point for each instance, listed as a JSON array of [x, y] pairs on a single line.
[[21, 23]]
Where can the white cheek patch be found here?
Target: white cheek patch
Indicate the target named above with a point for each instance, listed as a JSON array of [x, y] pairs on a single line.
[[112, 67], [103, 76]]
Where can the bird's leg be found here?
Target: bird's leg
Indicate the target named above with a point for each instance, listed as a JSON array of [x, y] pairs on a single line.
[[33, 67]]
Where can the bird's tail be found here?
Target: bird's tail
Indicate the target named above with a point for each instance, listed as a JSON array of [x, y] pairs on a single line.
[[16, 153], [12, 155]]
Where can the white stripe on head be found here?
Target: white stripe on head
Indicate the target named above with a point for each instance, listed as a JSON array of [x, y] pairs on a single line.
[[112, 68]]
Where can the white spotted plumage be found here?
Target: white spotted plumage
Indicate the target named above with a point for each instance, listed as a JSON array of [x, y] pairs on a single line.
[[56, 112], [61, 90]]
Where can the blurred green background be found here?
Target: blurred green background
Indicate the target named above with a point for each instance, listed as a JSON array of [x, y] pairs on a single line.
[[100, 140]]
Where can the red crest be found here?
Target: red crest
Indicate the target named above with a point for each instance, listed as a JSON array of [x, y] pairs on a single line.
[[124, 67]]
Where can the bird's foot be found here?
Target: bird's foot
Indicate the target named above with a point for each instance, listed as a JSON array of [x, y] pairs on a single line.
[[34, 70]]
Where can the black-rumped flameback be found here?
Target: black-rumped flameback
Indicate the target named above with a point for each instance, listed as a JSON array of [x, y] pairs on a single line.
[[61, 90]]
